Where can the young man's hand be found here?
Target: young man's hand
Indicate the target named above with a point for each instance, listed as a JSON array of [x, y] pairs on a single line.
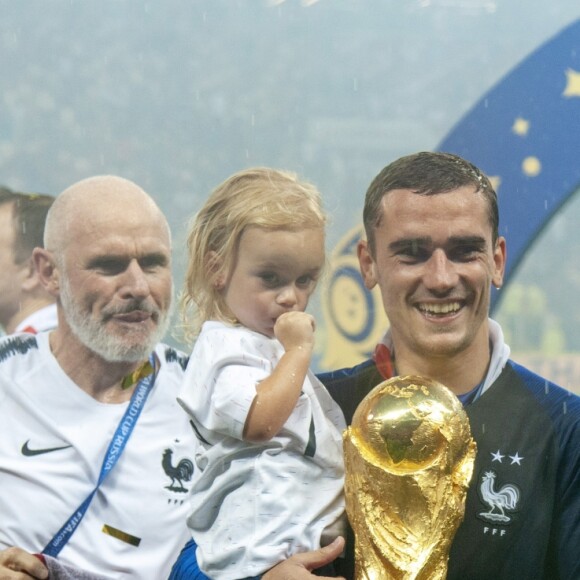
[[300, 566]]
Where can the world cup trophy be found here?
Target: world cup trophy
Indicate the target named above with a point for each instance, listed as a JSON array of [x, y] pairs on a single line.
[[409, 458]]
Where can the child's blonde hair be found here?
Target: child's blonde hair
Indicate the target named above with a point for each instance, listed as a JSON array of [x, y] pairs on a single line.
[[257, 197]]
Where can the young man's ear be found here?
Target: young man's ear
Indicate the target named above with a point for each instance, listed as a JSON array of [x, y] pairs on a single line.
[[499, 261], [47, 271], [368, 268]]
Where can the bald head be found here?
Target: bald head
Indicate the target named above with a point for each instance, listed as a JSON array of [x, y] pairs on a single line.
[[107, 261], [85, 206]]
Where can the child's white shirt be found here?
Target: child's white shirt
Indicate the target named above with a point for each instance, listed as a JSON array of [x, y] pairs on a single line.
[[254, 505]]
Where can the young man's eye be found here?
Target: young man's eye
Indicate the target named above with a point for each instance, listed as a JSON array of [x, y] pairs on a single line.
[[464, 253], [413, 254]]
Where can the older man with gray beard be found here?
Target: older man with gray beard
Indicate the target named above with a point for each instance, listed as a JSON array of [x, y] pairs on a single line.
[[93, 456]]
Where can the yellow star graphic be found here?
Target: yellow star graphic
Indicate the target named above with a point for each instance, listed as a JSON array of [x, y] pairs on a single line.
[[531, 166], [521, 127], [573, 85]]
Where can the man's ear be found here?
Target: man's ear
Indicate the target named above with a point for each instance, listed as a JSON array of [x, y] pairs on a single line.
[[30, 279], [499, 262], [368, 268], [47, 271]]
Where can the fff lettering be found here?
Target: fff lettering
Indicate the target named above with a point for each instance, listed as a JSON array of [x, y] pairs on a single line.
[[494, 531]]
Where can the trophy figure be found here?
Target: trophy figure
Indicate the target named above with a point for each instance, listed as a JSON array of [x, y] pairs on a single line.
[[409, 457]]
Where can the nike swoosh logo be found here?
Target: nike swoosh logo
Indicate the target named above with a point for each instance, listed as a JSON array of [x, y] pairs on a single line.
[[32, 452]]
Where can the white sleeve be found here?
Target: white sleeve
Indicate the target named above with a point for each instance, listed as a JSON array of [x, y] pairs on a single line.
[[220, 383]]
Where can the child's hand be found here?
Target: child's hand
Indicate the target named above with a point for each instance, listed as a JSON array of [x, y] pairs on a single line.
[[295, 330], [276, 395]]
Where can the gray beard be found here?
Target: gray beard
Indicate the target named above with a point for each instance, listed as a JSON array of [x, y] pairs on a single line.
[[95, 337]]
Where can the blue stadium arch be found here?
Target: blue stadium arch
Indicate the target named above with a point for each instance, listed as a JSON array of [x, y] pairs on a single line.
[[525, 134]]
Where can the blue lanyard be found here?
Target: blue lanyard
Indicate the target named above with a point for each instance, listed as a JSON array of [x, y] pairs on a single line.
[[116, 447]]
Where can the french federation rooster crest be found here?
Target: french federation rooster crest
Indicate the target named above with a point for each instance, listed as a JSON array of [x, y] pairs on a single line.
[[178, 474], [499, 501]]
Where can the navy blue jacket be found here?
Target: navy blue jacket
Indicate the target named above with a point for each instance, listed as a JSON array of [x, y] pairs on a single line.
[[527, 432]]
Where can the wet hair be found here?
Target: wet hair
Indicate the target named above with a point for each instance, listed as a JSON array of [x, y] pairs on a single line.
[[29, 212], [257, 197], [426, 173]]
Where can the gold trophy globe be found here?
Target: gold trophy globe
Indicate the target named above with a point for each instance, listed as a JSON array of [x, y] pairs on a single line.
[[409, 458]]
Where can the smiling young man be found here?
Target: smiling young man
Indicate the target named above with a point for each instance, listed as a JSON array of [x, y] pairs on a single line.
[[88, 411], [435, 258], [433, 248]]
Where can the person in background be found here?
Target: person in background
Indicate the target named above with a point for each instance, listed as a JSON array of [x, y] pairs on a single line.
[[95, 451], [268, 479], [433, 248], [25, 306]]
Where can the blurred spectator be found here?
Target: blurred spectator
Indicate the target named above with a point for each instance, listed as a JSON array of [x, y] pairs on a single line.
[[25, 306]]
